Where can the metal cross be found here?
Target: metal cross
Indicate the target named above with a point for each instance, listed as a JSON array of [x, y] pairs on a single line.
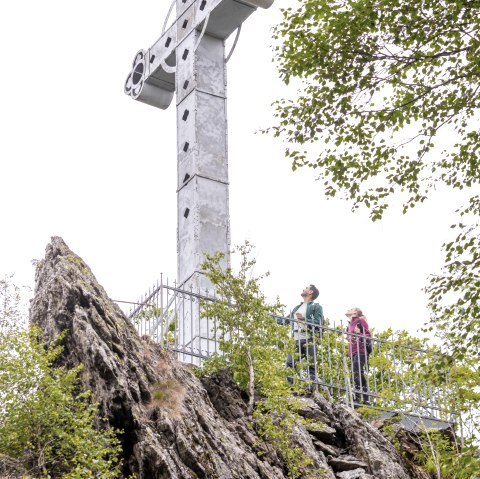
[[189, 59]]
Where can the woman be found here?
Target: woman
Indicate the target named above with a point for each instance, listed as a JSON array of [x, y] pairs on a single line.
[[358, 331]]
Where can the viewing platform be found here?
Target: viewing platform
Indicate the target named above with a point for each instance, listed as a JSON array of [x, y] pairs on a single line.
[[397, 382]]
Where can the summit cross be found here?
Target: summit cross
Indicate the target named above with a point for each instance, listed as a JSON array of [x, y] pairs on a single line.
[[189, 59]]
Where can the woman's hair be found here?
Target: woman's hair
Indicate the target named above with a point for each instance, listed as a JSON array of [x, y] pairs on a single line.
[[357, 312]]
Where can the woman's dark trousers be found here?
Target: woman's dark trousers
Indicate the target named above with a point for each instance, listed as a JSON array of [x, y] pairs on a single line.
[[359, 363]]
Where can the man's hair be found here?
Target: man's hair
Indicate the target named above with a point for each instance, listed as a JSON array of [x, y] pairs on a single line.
[[358, 312], [314, 291]]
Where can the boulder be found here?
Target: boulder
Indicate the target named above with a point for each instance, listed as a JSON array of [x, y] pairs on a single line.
[[174, 424]]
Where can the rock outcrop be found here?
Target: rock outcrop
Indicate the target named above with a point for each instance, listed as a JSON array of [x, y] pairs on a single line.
[[175, 424]]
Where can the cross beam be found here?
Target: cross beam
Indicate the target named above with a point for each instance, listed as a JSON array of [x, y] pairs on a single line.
[[152, 79], [189, 59]]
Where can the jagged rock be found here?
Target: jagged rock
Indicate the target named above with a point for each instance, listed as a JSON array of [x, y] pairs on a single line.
[[367, 443], [346, 463], [325, 406], [323, 432], [175, 425], [355, 474], [327, 448], [378, 423], [10, 468], [320, 464], [182, 436], [311, 410], [220, 387]]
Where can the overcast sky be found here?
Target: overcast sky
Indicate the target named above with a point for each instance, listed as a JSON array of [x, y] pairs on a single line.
[[81, 160]]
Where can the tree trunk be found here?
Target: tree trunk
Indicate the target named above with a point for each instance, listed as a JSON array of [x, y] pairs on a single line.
[[251, 383]]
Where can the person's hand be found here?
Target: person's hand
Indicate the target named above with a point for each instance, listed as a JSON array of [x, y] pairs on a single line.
[[299, 316]]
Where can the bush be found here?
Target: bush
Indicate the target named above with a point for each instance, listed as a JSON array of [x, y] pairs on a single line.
[[45, 424]]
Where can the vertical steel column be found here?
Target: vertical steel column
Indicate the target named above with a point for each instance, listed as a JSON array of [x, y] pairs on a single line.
[[202, 188], [189, 59]]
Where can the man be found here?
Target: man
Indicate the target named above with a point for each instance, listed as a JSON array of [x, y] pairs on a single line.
[[306, 320], [358, 332]]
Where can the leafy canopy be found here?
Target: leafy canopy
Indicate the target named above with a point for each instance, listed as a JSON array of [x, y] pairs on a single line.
[[389, 104], [381, 79], [454, 294]]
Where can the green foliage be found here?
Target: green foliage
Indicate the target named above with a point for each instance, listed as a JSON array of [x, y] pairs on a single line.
[[454, 302], [401, 372], [11, 305], [443, 459], [46, 425], [454, 294], [389, 104], [254, 349], [148, 313], [436, 452], [381, 79], [410, 375], [252, 343]]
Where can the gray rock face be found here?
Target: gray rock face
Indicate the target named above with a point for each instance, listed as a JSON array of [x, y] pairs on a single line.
[[176, 425], [346, 463], [10, 468], [367, 444], [355, 474]]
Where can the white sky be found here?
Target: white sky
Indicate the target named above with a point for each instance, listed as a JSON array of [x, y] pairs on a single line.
[[81, 160]]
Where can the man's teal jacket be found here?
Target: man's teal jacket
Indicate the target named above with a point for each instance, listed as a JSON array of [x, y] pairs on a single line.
[[316, 318]]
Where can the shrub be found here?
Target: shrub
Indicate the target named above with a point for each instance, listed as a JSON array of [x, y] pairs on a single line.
[[45, 423]]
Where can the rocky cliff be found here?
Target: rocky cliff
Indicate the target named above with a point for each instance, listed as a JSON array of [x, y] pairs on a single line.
[[175, 424]]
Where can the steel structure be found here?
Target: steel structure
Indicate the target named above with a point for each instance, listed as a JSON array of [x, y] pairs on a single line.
[[189, 59]]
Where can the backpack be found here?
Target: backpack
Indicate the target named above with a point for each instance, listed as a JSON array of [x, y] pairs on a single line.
[[368, 341]]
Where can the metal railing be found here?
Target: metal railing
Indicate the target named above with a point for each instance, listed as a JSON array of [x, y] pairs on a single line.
[[165, 311], [391, 377]]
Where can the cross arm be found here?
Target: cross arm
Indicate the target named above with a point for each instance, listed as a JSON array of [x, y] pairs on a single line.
[[152, 78]]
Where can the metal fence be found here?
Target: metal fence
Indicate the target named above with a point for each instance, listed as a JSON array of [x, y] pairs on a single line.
[[166, 311], [391, 377]]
